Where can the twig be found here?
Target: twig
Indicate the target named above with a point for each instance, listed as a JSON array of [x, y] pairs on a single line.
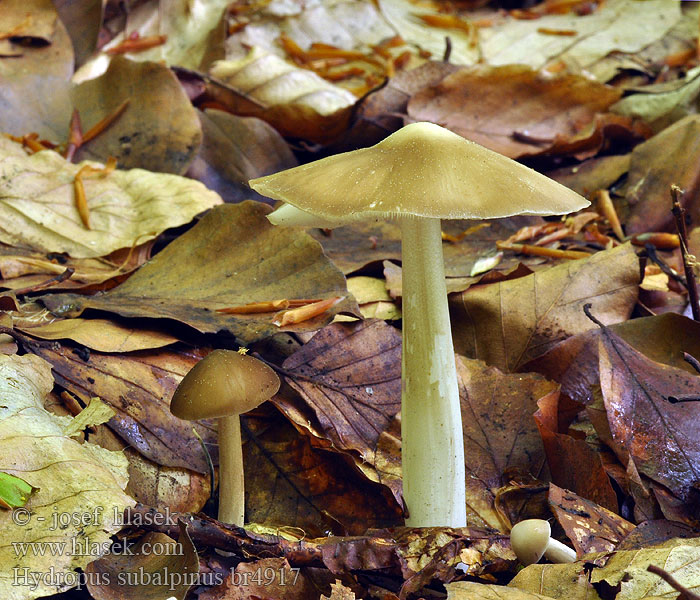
[[685, 593], [448, 49], [659, 262], [692, 361], [679, 214], [67, 274], [589, 314]]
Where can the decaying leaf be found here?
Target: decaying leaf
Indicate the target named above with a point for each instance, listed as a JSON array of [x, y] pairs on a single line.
[[590, 527], [154, 568], [508, 323], [289, 483], [158, 131], [72, 479], [469, 590], [138, 386], [500, 436], [297, 102], [37, 204], [350, 376], [255, 262], [649, 419], [513, 109]]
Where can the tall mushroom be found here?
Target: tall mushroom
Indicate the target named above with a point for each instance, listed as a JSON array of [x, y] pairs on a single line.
[[419, 175], [222, 386]]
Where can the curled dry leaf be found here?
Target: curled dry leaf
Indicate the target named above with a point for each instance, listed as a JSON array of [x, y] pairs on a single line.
[[513, 109], [296, 102], [508, 323], [158, 131], [72, 478], [256, 262], [83, 21], [37, 204]]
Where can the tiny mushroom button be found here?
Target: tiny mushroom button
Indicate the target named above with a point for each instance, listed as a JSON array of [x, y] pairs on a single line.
[[530, 539], [417, 176], [222, 386]]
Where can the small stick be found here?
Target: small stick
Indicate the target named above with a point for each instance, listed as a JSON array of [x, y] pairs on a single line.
[[607, 209], [75, 136], [540, 251], [67, 274], [659, 262], [448, 49], [685, 593], [692, 361], [679, 214]]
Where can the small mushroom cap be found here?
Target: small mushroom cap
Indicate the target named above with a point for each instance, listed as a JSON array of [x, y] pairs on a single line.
[[222, 384], [424, 170], [529, 539]]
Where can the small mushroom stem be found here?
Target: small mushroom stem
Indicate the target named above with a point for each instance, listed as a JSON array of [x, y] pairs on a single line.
[[557, 552], [231, 486], [431, 421]]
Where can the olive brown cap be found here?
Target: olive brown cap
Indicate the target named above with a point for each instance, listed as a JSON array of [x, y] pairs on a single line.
[[223, 383], [424, 170]]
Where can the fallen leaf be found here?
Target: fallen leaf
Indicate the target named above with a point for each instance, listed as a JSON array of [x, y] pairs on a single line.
[[236, 149], [37, 204], [339, 592], [14, 491], [500, 436], [350, 376], [255, 262], [513, 109], [509, 323], [574, 362], [469, 590], [598, 173], [101, 335], [193, 38], [291, 484], [34, 95], [616, 25], [590, 527], [82, 21], [72, 479], [138, 386], [154, 568], [158, 131], [670, 157], [297, 102], [660, 436]]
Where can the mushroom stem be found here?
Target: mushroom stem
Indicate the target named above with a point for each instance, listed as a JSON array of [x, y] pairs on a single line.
[[231, 490], [557, 552], [431, 422]]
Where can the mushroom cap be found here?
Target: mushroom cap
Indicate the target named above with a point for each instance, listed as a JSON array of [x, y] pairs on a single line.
[[224, 383], [424, 170], [529, 539]]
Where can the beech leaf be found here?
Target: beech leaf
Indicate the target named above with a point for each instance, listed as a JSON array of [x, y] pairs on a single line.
[[71, 478], [256, 262]]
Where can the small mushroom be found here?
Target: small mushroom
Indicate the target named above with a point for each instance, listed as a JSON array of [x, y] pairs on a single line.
[[417, 176], [222, 386], [532, 538]]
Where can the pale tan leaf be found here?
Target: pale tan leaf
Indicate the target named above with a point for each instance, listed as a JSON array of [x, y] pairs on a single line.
[[469, 590], [38, 209], [72, 478]]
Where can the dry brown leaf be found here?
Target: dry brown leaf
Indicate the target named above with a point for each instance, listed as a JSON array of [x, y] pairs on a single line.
[[297, 102], [153, 568], [469, 590], [236, 149], [501, 440], [350, 376], [254, 262], [590, 527], [509, 323], [291, 484], [659, 434], [83, 21], [513, 109], [138, 386], [158, 131]]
